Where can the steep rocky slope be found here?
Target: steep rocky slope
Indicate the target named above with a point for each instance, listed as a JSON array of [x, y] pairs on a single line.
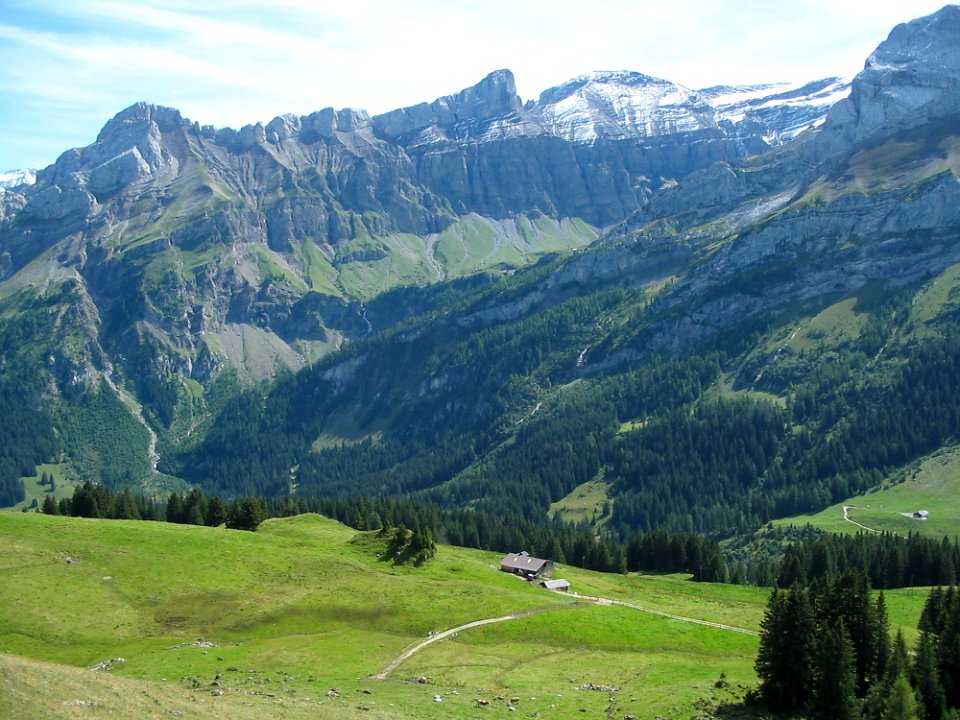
[[199, 251], [191, 258], [750, 272]]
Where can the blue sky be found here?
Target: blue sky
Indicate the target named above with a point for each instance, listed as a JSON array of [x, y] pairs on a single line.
[[68, 67]]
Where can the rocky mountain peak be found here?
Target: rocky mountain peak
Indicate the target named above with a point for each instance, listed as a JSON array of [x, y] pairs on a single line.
[[138, 116], [18, 178], [494, 96], [598, 80], [615, 104], [913, 76]]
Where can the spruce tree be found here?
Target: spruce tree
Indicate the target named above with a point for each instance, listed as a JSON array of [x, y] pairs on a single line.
[[898, 664], [834, 682], [125, 507], [50, 506], [902, 702], [784, 662], [174, 512], [879, 642], [925, 676], [246, 514], [216, 512]]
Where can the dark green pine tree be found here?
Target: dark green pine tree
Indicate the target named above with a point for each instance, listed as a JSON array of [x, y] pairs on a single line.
[[932, 612], [84, 502], [847, 603], [246, 514], [216, 512], [50, 506], [785, 659], [879, 644], [125, 507], [948, 648], [174, 512], [834, 682], [194, 508], [925, 676], [898, 664]]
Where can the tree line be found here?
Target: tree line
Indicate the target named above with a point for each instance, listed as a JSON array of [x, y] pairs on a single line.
[[91, 500], [559, 541], [825, 650]]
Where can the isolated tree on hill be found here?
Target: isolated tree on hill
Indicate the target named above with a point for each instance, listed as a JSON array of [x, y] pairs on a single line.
[[246, 514]]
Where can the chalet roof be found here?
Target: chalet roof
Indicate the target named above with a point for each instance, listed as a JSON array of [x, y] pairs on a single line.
[[558, 584], [522, 561]]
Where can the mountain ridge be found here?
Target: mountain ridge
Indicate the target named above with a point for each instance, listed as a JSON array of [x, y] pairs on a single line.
[[204, 257]]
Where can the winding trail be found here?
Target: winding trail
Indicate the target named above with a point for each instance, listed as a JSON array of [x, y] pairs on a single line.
[[591, 599], [437, 637], [846, 509]]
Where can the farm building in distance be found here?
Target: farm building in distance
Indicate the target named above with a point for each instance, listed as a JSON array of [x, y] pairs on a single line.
[[525, 565], [561, 585], [921, 515]]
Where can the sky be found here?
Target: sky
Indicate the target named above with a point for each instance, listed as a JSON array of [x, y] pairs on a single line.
[[68, 67]]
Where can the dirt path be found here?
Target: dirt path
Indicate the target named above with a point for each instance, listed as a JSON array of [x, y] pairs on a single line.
[[849, 519], [661, 613], [437, 637]]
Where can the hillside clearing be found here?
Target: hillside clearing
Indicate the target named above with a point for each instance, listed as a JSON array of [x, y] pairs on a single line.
[[296, 619], [931, 484]]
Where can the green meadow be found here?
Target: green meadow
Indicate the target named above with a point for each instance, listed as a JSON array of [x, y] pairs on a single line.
[[932, 484], [296, 619]]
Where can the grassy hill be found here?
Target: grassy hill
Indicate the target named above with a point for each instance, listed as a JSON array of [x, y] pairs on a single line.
[[932, 484], [279, 619]]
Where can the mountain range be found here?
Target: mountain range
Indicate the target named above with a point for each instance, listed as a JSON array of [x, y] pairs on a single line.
[[696, 299]]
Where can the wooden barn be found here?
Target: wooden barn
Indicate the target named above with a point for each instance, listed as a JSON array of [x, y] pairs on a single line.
[[525, 565]]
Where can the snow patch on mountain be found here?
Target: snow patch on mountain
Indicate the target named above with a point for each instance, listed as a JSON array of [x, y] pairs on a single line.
[[615, 105], [620, 104], [783, 110], [17, 178]]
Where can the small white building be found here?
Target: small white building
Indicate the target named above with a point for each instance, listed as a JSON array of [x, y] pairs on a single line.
[[921, 515], [559, 584]]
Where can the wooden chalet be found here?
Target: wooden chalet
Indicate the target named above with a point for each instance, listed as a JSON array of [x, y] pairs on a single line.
[[525, 565]]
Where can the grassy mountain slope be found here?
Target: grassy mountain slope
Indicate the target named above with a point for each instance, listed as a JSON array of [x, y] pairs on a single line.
[[931, 484], [281, 616], [305, 605]]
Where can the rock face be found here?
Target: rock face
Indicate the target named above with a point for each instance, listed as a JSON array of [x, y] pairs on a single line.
[[911, 78], [870, 196], [268, 214], [168, 252], [200, 249]]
